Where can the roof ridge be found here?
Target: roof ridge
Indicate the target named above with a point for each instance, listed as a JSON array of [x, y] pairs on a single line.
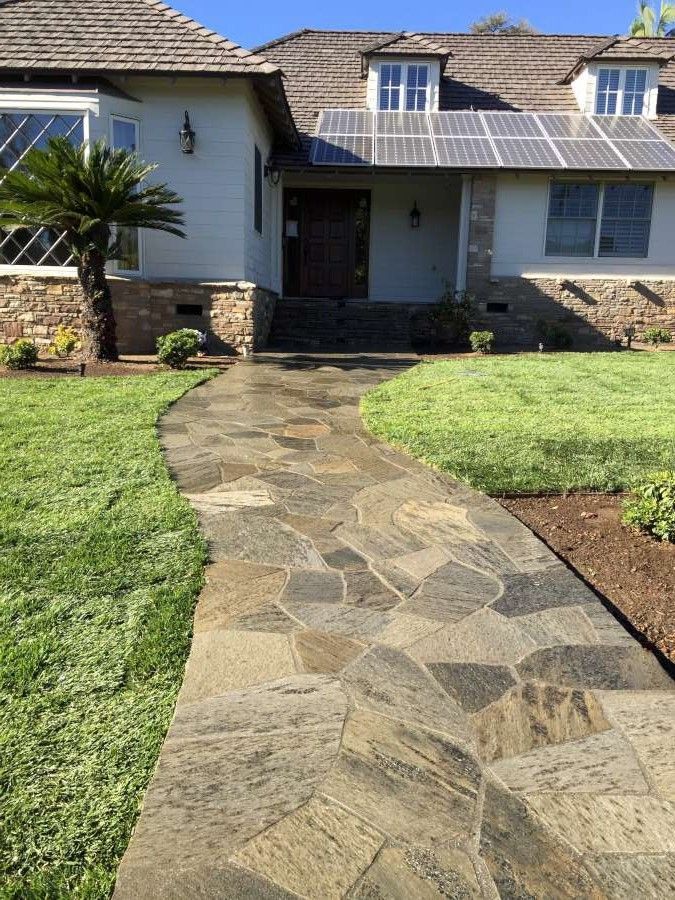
[[282, 39], [209, 34]]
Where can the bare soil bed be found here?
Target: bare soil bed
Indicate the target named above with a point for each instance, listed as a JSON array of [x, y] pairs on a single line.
[[50, 367], [633, 571]]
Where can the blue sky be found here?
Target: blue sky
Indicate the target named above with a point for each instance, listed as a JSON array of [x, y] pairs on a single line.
[[250, 23]]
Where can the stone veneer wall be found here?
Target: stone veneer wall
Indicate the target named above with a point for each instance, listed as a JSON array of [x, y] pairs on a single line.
[[594, 310], [237, 315]]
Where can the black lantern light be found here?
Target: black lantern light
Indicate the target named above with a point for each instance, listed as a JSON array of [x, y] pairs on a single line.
[[187, 136], [415, 216]]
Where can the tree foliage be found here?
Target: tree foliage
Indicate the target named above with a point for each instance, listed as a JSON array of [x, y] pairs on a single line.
[[501, 23], [647, 24]]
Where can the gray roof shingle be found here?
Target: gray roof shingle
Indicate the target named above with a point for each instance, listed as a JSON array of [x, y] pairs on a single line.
[[116, 36], [511, 72]]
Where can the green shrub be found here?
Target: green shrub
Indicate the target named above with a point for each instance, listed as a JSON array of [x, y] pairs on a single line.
[[555, 336], [65, 341], [651, 508], [174, 349], [451, 317], [482, 341], [22, 354], [656, 336]]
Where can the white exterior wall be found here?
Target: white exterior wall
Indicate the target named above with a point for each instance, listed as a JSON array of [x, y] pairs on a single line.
[[215, 181], [520, 233], [262, 251]]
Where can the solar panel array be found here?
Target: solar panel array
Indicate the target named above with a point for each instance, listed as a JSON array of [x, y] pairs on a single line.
[[490, 140]]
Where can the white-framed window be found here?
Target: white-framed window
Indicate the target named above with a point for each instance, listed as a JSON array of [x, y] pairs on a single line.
[[599, 219], [124, 135], [620, 92], [403, 86], [21, 132]]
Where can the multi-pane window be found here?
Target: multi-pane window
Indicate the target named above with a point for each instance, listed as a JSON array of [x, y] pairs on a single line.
[[589, 219], [416, 88], [390, 86], [626, 218], [620, 91], [572, 218], [124, 136], [19, 133], [404, 87], [635, 85]]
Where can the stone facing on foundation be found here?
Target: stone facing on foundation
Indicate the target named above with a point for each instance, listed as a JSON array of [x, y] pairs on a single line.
[[594, 310], [236, 314]]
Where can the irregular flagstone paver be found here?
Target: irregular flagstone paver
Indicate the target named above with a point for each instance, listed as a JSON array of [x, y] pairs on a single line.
[[602, 824], [611, 668], [473, 685], [388, 682], [419, 873], [602, 763], [524, 859], [628, 877], [318, 851], [414, 785], [536, 715], [395, 690], [483, 637], [648, 721]]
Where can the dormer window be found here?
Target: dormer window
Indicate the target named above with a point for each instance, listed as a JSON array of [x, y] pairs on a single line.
[[620, 92], [403, 87]]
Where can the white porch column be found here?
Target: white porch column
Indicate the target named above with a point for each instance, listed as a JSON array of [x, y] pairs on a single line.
[[463, 233]]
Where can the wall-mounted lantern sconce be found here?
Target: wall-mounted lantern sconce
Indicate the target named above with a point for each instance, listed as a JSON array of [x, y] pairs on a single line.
[[272, 174], [415, 215], [187, 136]]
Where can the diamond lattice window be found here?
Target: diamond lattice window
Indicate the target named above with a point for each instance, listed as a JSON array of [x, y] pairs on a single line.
[[19, 133]]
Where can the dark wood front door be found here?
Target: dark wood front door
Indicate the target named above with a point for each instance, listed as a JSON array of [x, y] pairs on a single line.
[[326, 243]]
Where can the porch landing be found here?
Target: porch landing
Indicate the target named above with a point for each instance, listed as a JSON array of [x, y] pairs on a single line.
[[394, 690]]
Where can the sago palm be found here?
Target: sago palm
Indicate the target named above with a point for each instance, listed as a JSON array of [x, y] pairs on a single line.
[[647, 25], [85, 193]]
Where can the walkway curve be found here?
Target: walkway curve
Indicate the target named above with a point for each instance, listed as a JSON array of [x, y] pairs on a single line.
[[394, 690]]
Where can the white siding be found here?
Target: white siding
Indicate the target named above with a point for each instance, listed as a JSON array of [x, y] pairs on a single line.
[[261, 250], [520, 229]]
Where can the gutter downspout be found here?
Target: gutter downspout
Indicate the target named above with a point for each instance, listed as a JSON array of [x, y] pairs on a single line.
[[463, 233]]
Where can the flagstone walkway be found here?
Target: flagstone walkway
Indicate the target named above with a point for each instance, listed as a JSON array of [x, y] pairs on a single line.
[[395, 690]]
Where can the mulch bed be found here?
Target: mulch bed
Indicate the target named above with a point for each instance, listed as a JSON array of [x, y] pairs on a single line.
[[633, 571], [53, 368]]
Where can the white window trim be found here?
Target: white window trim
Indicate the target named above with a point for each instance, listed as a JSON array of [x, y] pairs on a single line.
[[116, 268], [598, 223], [404, 82], [622, 89]]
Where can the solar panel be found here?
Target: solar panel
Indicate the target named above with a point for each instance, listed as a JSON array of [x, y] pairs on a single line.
[[588, 154], [647, 155], [526, 153], [466, 152], [512, 125], [457, 124], [346, 121], [561, 125], [402, 123], [342, 150], [625, 128], [404, 150]]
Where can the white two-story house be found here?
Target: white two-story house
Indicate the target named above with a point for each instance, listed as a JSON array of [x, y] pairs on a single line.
[[340, 183]]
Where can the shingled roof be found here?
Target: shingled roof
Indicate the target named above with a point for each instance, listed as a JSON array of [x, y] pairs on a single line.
[[108, 37], [484, 71], [117, 36]]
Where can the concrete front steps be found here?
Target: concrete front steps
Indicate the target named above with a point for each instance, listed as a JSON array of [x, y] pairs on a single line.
[[301, 324]]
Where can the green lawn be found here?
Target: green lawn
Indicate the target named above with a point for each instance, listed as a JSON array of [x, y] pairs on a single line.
[[535, 422], [100, 565]]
